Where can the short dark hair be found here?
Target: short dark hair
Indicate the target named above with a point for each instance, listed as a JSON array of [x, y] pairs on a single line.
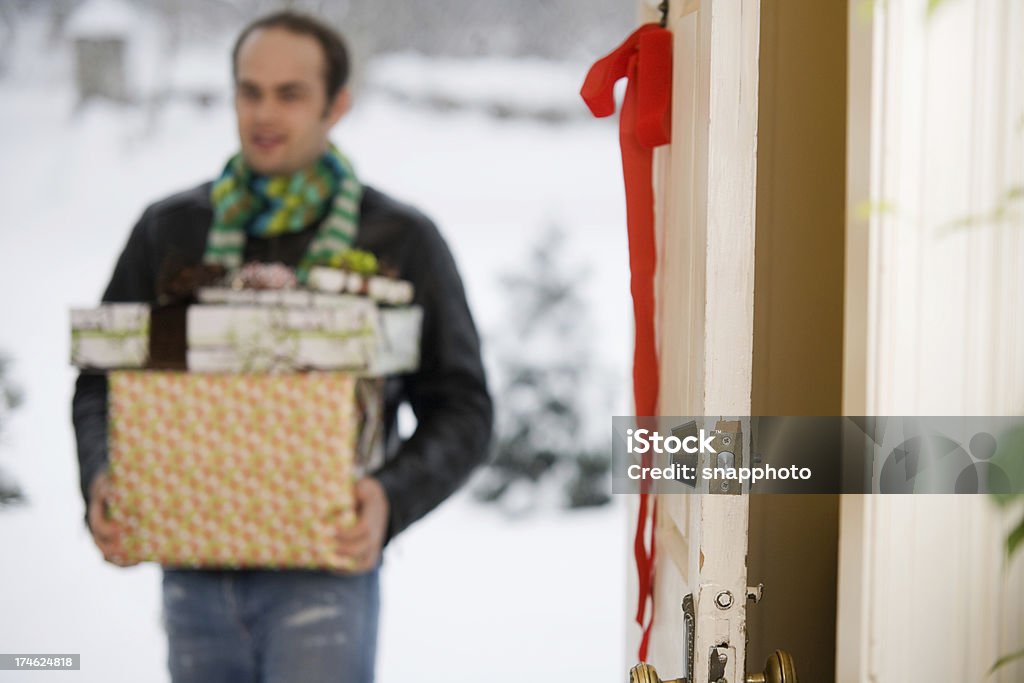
[[331, 44]]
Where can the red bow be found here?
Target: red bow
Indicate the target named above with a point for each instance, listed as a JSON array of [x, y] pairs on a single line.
[[645, 58]]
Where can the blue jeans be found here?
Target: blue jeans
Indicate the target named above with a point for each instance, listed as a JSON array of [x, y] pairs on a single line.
[[255, 626]]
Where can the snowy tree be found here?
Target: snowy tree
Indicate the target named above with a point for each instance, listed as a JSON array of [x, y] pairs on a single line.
[[8, 33], [10, 398], [569, 29], [546, 381]]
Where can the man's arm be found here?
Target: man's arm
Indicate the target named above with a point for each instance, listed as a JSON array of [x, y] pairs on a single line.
[[448, 395], [132, 281]]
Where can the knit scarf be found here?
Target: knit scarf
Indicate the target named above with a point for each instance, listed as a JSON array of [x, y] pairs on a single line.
[[246, 204]]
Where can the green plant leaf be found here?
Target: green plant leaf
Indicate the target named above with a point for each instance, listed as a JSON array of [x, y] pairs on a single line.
[[1015, 538], [933, 7], [1004, 660], [867, 209], [866, 9], [1009, 457]]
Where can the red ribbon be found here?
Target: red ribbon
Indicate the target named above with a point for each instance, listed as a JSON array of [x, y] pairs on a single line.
[[645, 58]]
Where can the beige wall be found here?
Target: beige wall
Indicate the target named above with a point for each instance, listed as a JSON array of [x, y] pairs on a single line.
[[798, 292], [798, 317]]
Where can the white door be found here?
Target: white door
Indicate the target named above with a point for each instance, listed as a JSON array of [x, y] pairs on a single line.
[[705, 182]]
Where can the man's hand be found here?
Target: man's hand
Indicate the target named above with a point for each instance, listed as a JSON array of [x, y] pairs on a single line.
[[362, 542], [106, 533]]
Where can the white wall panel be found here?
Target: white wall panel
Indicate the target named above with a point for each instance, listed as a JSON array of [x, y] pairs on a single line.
[[934, 324]]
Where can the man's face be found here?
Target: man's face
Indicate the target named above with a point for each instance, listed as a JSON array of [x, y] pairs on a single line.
[[281, 101]]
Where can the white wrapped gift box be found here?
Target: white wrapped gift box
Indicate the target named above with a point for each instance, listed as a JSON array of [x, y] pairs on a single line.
[[239, 338], [111, 336], [398, 348], [330, 332]]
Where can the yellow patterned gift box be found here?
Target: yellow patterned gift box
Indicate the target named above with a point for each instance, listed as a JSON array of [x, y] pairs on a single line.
[[236, 470]]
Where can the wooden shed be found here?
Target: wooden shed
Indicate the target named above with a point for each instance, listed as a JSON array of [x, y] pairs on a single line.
[[101, 32]]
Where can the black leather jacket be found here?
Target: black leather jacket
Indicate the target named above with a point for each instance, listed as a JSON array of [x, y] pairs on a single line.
[[448, 394]]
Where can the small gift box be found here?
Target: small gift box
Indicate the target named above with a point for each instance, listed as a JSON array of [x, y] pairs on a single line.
[[398, 346], [236, 470], [111, 336], [265, 338]]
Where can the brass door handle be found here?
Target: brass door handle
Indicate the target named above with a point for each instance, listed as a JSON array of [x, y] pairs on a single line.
[[779, 668], [645, 673]]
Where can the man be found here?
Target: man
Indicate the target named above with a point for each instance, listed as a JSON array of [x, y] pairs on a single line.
[[290, 89]]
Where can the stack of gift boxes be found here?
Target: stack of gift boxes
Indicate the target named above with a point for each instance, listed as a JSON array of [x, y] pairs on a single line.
[[241, 412]]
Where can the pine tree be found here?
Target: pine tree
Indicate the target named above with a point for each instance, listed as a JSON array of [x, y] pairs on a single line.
[[545, 376]]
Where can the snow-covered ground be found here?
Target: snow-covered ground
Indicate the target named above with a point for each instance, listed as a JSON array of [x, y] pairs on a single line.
[[466, 593]]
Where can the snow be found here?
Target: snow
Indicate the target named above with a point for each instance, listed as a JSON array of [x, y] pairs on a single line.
[[202, 70], [525, 85], [103, 19], [467, 594]]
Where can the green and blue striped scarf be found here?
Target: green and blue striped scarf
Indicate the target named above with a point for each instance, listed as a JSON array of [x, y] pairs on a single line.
[[246, 204]]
